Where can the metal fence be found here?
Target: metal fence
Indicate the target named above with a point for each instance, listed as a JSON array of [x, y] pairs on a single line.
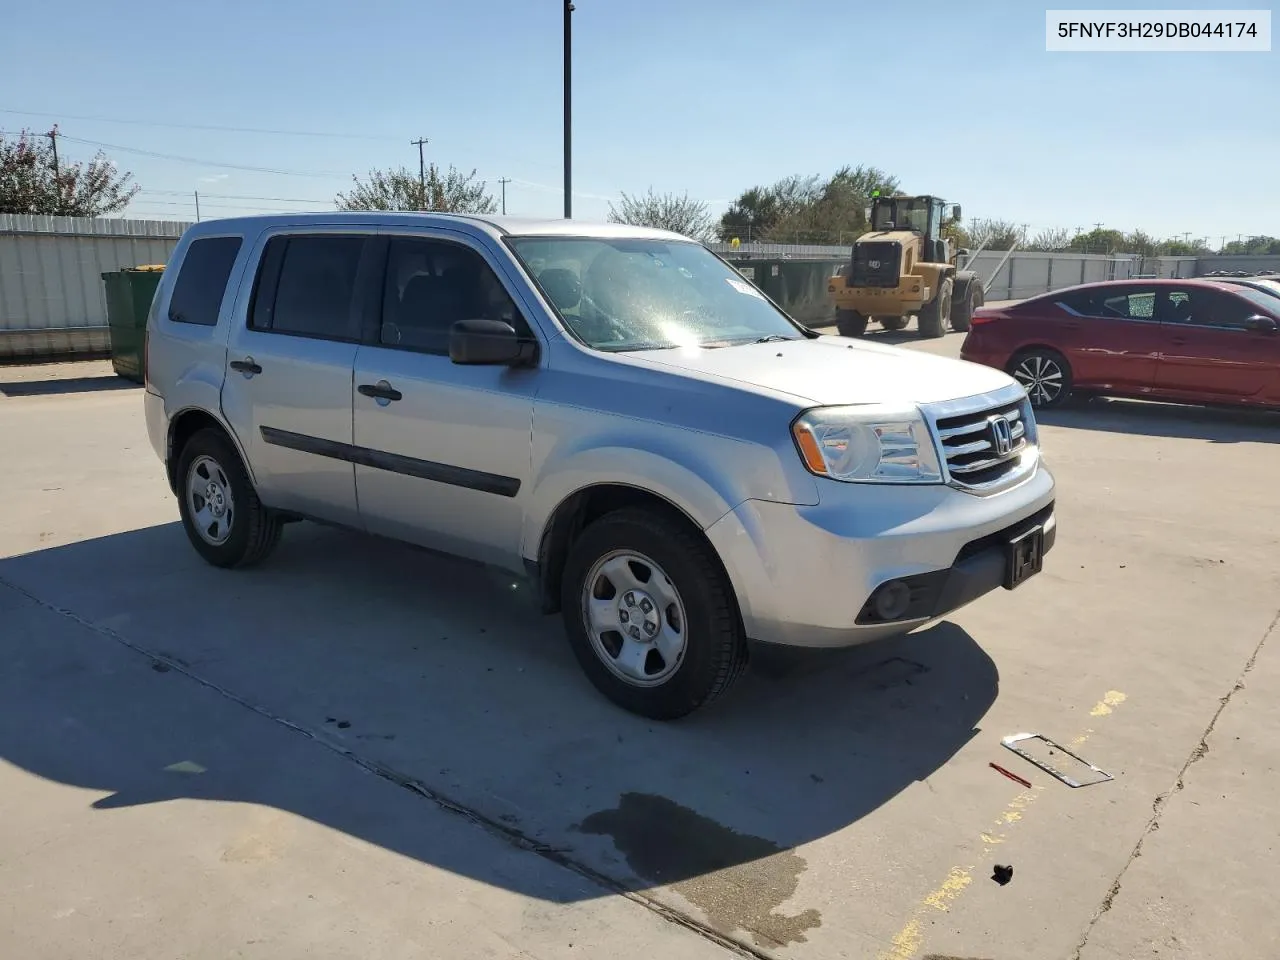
[[52, 299]]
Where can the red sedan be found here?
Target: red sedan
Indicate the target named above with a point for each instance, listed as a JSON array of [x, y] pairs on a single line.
[[1189, 341]]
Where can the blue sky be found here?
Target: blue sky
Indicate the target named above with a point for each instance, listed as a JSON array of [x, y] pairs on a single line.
[[703, 96]]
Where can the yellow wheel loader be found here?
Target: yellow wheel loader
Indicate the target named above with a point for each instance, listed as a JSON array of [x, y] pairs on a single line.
[[904, 266]]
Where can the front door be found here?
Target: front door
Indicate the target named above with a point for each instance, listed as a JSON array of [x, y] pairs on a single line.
[[1209, 351], [287, 390], [445, 449], [1110, 336]]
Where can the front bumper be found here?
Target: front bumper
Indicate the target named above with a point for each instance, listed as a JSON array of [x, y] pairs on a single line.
[[803, 574]]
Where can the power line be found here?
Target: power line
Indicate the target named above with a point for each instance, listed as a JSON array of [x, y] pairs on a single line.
[[343, 135], [324, 175], [230, 196]]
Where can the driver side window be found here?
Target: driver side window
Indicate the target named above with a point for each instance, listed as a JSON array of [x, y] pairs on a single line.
[[432, 284]]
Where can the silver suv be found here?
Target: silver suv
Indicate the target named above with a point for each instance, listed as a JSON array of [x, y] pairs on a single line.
[[613, 412]]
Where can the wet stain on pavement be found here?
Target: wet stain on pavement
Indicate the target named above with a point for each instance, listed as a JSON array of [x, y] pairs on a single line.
[[739, 881]]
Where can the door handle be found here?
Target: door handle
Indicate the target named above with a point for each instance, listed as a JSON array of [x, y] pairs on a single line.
[[246, 366], [380, 391], [1178, 342]]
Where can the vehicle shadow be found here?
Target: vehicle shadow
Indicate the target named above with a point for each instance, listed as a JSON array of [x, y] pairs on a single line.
[[1145, 418], [43, 388], [437, 676]]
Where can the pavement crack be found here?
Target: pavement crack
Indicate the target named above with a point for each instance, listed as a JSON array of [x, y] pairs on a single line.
[[496, 828], [1197, 753]]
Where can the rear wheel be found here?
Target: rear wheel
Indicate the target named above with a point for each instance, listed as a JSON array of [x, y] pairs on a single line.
[[224, 519], [650, 614], [892, 323], [937, 312], [970, 299], [850, 323], [1045, 374]]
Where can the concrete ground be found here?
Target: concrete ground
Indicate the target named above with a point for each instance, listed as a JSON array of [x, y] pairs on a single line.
[[360, 749]]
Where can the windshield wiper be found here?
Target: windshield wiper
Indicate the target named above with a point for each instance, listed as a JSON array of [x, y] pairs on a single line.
[[774, 338]]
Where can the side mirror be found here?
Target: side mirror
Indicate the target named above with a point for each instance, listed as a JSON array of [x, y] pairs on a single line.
[[489, 343], [866, 214], [963, 251], [1261, 323], [955, 212]]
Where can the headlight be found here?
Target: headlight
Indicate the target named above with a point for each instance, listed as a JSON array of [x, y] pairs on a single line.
[[868, 444]]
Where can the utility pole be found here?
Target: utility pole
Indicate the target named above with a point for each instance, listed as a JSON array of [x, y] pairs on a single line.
[[568, 110], [197, 193], [1186, 236], [422, 168], [504, 181], [1097, 226], [53, 139]]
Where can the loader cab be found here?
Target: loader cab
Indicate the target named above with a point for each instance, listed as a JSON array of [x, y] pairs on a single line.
[[920, 215]]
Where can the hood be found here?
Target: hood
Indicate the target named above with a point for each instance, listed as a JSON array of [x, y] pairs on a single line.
[[835, 370], [904, 237]]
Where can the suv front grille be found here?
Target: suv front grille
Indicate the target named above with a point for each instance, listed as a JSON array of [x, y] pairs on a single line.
[[989, 448]]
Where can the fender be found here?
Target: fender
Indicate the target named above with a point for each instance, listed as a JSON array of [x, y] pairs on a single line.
[[683, 487]]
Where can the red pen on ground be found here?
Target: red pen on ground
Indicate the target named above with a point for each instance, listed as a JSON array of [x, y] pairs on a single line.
[[1010, 774]]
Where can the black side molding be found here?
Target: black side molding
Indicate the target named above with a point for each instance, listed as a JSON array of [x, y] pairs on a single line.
[[394, 462]]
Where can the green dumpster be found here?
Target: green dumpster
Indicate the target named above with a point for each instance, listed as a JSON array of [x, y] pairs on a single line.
[[129, 295]]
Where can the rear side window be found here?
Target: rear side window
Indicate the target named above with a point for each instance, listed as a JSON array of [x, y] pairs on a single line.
[[307, 286], [1131, 305], [202, 280]]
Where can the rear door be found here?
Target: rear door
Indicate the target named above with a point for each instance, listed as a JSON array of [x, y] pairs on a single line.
[[445, 450], [287, 391], [1209, 350], [1110, 336]]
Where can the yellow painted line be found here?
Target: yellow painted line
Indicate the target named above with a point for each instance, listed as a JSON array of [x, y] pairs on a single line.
[[1113, 699], [906, 943]]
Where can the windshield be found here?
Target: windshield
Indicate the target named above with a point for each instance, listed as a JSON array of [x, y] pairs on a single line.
[[1269, 303], [902, 215], [627, 294]]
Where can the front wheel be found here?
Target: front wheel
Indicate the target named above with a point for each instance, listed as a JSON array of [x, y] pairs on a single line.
[[850, 323], [650, 614], [936, 314], [1045, 374]]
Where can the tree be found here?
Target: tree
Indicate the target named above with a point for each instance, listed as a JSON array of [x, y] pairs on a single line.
[[1253, 245], [454, 192], [31, 181], [1099, 241], [807, 208], [664, 211], [994, 234], [1051, 240]]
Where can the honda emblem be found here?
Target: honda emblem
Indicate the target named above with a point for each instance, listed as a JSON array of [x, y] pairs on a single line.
[[1001, 435]]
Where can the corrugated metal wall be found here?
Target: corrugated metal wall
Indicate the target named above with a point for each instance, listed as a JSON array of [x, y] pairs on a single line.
[[52, 300]]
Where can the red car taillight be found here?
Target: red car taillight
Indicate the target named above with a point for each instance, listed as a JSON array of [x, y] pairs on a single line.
[[981, 317]]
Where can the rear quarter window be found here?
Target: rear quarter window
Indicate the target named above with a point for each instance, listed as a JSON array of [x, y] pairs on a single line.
[[202, 280]]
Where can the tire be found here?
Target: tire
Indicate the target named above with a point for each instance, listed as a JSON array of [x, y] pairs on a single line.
[[704, 650], [850, 323], [1039, 370], [970, 299], [937, 312], [892, 323], [212, 478]]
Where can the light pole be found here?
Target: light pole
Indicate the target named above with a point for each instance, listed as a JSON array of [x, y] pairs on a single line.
[[568, 110]]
